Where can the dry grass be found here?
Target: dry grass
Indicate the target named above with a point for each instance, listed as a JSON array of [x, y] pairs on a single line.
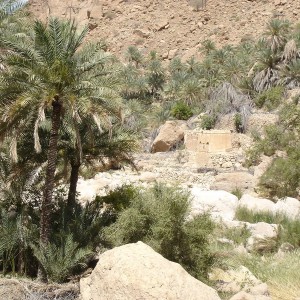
[[280, 273]]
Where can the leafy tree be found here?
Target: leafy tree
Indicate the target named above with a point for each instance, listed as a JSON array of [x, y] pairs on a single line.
[[158, 217]]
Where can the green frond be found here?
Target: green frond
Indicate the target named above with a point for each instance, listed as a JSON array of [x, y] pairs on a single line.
[[59, 261]]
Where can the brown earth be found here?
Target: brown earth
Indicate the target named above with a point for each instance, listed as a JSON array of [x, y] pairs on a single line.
[[172, 27]]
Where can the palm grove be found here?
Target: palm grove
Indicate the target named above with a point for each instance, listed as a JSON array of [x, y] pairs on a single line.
[[66, 104]]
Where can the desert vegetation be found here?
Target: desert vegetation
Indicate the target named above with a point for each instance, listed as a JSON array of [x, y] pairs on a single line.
[[69, 108]]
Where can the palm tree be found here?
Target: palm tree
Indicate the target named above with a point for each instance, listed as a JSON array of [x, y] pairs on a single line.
[[267, 75], [96, 146], [207, 47], [155, 73], [276, 34], [51, 77], [134, 55]]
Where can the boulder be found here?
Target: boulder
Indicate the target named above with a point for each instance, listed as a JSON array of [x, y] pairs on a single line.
[[257, 204], [261, 244], [263, 237], [289, 207], [263, 229], [170, 134], [136, 271], [220, 204]]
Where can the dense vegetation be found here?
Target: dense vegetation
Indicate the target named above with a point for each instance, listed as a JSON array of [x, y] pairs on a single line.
[[68, 106]]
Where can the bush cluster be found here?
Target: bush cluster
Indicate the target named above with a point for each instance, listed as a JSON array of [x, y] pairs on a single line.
[[159, 217], [181, 111]]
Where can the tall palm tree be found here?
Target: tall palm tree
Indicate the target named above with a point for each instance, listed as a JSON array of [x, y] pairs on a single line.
[[51, 77]]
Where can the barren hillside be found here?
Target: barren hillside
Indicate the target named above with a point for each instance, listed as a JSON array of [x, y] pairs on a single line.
[[172, 27]]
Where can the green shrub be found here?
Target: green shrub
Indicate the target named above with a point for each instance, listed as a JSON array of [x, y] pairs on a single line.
[[181, 111], [270, 99], [238, 123], [290, 231], [158, 217], [282, 178], [208, 122], [120, 197], [59, 262]]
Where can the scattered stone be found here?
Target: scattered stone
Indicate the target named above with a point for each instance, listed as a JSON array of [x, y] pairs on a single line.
[[233, 281], [286, 247], [232, 181], [136, 271], [162, 25], [172, 53], [141, 33]]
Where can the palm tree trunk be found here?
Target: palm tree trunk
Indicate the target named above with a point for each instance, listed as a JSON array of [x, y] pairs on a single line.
[[50, 172], [73, 186]]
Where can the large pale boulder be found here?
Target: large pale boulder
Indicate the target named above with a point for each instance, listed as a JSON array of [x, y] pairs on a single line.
[[220, 204], [170, 134], [289, 207], [257, 204], [136, 271], [264, 229]]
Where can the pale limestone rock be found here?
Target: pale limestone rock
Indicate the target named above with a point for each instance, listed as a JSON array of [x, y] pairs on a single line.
[[233, 281], [261, 289], [172, 53], [257, 204], [246, 296], [264, 229], [136, 271], [289, 207], [162, 25], [220, 204]]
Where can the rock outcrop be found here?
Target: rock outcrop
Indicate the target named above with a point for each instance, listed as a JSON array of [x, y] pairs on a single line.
[[136, 271]]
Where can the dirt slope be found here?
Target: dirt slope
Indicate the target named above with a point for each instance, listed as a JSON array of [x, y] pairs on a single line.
[[171, 27]]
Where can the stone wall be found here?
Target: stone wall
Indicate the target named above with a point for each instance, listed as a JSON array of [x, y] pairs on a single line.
[[203, 145], [208, 140]]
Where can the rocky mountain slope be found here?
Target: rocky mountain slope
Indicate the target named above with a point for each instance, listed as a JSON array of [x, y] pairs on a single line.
[[172, 27]]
